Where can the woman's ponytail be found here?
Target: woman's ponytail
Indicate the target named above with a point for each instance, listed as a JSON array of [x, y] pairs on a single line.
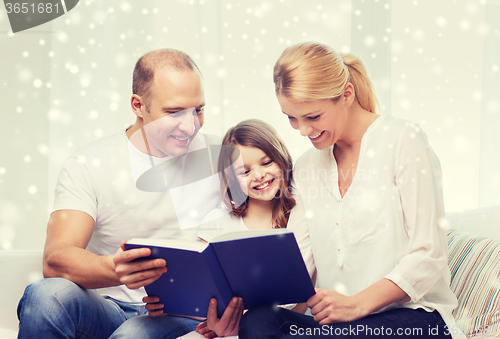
[[363, 87], [312, 71]]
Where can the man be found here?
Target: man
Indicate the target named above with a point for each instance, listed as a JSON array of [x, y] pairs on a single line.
[[98, 205]]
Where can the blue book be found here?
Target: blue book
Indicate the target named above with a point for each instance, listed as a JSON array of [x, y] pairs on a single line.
[[264, 267]]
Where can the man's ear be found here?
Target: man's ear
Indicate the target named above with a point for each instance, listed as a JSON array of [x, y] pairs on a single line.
[[138, 105], [349, 94]]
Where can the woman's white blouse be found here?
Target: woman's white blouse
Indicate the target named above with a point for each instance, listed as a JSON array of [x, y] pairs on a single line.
[[389, 224]]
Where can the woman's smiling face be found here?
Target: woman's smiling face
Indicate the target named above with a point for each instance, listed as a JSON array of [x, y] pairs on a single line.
[[322, 121]]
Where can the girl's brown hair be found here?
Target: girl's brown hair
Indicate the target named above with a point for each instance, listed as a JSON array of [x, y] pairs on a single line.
[[258, 134], [312, 71]]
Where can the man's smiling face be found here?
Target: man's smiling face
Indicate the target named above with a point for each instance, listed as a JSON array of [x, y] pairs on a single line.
[[174, 114]]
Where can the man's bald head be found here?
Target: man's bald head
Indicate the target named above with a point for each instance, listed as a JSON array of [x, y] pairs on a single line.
[[148, 64]]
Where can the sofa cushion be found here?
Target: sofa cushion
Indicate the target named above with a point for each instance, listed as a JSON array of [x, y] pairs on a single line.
[[474, 263]]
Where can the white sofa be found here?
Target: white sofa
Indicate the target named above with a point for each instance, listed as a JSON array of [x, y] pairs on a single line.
[[18, 269], [474, 260]]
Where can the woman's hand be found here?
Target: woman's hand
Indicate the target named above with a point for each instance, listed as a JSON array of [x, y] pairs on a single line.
[[153, 305], [329, 306], [227, 325]]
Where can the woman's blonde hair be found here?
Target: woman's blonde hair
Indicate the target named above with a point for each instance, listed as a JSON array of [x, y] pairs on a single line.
[[312, 71], [258, 134]]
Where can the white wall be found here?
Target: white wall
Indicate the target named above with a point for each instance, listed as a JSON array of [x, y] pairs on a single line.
[[68, 82]]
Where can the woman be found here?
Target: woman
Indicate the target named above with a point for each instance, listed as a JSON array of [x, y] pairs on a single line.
[[372, 186]]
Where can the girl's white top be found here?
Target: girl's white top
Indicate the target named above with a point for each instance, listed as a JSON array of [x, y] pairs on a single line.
[[220, 221]]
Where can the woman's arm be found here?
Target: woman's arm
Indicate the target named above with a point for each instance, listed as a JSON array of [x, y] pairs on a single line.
[[419, 182]]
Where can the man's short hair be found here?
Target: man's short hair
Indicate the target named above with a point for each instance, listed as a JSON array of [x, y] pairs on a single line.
[[148, 64]]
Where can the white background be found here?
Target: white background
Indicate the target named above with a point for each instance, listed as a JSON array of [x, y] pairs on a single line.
[[67, 83]]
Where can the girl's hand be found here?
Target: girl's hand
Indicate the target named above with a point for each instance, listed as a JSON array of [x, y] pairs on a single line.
[[227, 325], [153, 305], [203, 329], [329, 306]]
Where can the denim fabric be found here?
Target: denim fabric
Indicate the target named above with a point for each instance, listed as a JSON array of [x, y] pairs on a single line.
[[145, 327], [273, 322], [59, 308]]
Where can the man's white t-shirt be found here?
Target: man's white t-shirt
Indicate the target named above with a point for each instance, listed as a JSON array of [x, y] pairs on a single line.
[[100, 180]]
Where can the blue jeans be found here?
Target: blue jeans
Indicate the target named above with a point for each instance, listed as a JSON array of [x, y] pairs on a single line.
[[59, 308], [144, 326], [269, 322]]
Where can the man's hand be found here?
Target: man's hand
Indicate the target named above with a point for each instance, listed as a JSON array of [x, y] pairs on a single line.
[[138, 273], [153, 305], [329, 306], [227, 325]]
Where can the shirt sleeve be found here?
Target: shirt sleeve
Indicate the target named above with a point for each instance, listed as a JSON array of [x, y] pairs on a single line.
[[297, 223], [76, 188], [418, 179]]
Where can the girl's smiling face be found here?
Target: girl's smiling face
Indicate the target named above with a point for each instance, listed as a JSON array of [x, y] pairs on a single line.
[[257, 174]]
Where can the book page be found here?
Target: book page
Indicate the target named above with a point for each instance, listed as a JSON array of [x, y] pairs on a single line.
[[196, 246], [245, 234]]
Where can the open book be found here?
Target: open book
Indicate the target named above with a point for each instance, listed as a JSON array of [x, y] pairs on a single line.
[[263, 267]]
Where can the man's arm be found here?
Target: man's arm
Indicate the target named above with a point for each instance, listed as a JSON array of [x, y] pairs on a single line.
[[65, 256]]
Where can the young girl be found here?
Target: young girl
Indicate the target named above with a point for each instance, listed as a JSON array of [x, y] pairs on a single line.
[[255, 171], [256, 181]]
